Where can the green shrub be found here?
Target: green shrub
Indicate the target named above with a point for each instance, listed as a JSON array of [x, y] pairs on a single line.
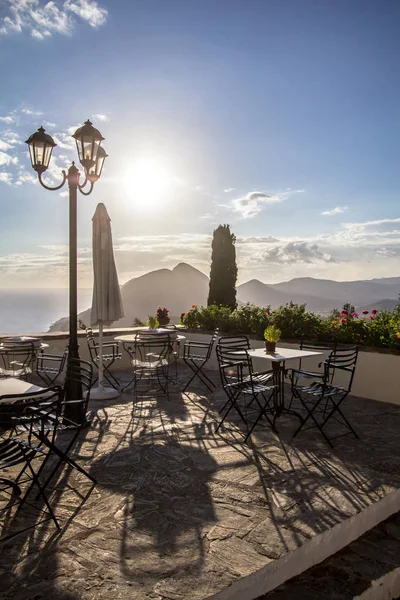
[[379, 329]]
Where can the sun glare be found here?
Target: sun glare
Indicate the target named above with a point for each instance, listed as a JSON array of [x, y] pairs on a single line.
[[148, 182]]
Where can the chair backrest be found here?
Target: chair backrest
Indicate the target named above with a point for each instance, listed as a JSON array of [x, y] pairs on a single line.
[[343, 359], [234, 341], [90, 338], [327, 342], [17, 357], [213, 339], [234, 364], [16, 409], [79, 370], [151, 347]]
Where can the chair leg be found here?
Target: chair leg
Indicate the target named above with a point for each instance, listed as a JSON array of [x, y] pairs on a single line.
[[336, 408], [310, 414], [260, 415], [198, 372], [64, 457]]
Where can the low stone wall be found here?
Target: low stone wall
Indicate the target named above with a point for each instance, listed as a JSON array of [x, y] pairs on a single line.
[[377, 373]]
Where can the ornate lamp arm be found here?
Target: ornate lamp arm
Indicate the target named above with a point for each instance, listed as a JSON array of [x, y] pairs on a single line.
[[81, 186], [53, 188], [90, 189]]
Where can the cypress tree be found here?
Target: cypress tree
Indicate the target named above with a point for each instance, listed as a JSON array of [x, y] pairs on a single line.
[[223, 273]]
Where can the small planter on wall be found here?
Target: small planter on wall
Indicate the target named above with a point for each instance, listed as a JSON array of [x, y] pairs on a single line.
[[163, 321]]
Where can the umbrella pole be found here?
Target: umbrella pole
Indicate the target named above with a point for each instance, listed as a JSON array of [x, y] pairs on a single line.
[[101, 386], [100, 392]]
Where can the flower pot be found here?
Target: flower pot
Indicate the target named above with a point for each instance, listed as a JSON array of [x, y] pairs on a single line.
[[270, 347], [162, 321]]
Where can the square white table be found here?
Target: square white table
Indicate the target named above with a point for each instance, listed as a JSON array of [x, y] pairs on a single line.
[[278, 360]]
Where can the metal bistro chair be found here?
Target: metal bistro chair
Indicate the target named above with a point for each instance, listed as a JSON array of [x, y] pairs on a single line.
[[150, 356], [111, 353], [50, 366], [240, 381], [319, 394], [195, 356], [22, 418], [325, 344], [17, 359], [81, 371]]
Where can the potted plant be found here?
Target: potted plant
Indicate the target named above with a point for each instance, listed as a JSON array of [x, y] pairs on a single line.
[[271, 335], [152, 322], [162, 315]]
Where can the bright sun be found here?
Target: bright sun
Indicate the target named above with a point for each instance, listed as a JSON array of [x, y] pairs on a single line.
[[148, 183]]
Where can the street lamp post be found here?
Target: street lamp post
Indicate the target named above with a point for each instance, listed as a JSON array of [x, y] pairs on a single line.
[[92, 157]]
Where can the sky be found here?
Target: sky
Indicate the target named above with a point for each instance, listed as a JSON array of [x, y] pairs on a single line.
[[281, 119]]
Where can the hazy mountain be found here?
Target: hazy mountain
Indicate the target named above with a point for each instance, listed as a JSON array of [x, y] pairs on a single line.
[[379, 305], [184, 285], [177, 289], [261, 294], [355, 292], [394, 280]]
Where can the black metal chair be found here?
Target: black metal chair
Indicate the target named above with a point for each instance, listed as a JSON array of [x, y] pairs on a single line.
[[111, 353], [319, 344], [240, 382], [17, 359], [195, 356], [319, 394], [80, 371], [151, 356], [234, 341], [49, 367], [22, 418]]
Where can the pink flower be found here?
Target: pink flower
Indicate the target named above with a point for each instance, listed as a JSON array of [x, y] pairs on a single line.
[[374, 311], [355, 315], [364, 312], [344, 312]]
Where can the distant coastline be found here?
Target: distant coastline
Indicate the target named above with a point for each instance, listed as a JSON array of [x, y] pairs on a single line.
[[34, 311]]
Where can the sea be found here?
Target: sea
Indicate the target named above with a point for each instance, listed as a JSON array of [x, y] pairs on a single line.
[[34, 310]]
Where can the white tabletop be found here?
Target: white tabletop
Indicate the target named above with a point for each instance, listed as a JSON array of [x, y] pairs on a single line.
[[130, 338], [9, 347], [282, 354], [12, 385]]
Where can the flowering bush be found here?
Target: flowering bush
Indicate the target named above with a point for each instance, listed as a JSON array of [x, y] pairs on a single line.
[[382, 330]]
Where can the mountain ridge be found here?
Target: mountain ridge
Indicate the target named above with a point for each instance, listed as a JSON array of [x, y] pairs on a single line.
[[183, 286]]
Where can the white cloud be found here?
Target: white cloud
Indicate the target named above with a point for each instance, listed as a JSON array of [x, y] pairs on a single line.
[[335, 211], [41, 18], [8, 119], [296, 252], [6, 159], [89, 11], [6, 178], [101, 117], [253, 203], [28, 111], [5, 145], [228, 190], [25, 177], [11, 137]]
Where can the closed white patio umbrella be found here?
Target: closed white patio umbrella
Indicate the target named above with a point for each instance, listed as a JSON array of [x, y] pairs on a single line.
[[106, 304]]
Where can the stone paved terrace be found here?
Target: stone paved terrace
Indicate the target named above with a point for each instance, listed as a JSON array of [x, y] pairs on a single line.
[[181, 512]]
